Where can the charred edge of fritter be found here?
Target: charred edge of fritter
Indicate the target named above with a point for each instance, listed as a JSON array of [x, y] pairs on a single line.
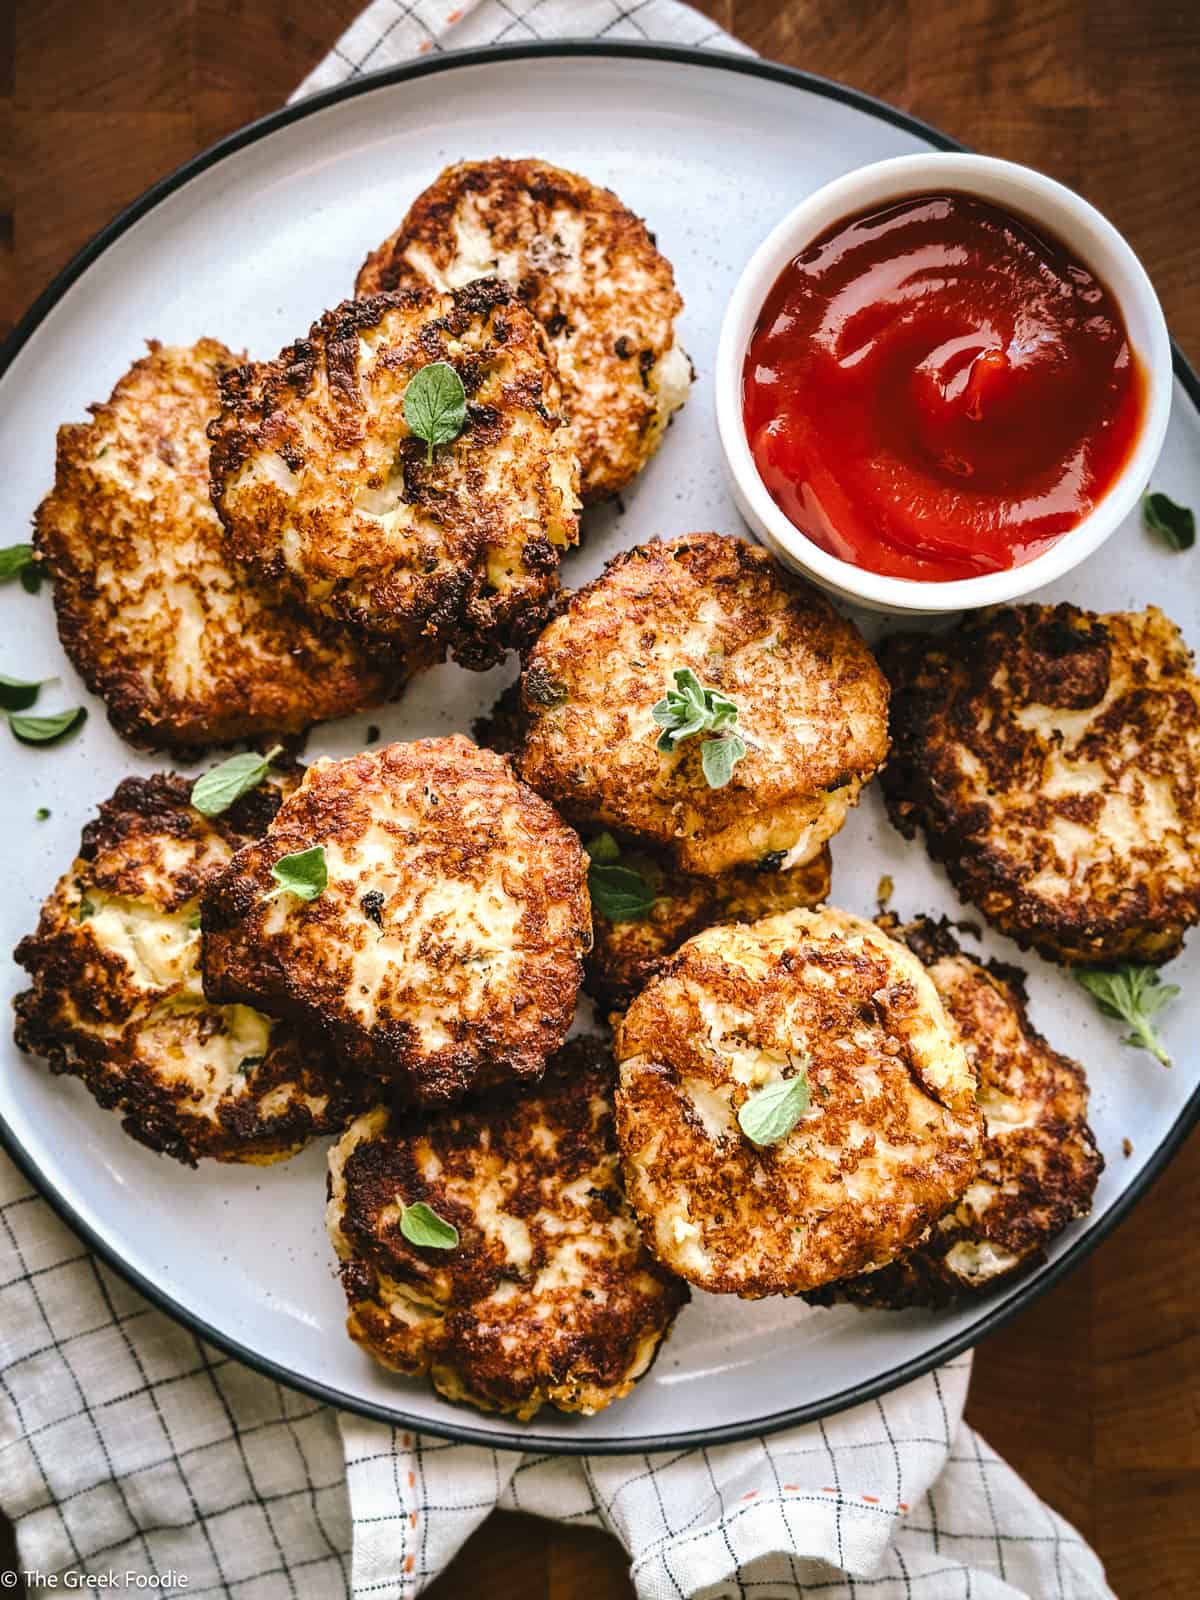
[[502, 728]]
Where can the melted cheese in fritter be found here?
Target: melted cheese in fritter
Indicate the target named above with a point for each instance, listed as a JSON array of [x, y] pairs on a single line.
[[812, 705], [1040, 1163], [590, 272], [117, 997], [324, 489], [183, 645], [1052, 758], [549, 1296], [891, 1135], [446, 950]]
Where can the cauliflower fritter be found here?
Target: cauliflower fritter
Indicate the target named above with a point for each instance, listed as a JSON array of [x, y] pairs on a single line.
[[626, 955], [326, 493], [549, 1297], [592, 275], [1051, 758], [812, 705], [446, 952], [890, 1138], [183, 645], [116, 998], [1040, 1163]]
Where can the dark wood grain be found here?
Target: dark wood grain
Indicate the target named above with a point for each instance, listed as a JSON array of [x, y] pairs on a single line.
[[1094, 1394]]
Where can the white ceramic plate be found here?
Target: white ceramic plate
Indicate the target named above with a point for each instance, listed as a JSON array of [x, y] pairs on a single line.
[[248, 244]]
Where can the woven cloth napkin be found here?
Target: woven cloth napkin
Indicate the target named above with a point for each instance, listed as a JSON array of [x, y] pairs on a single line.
[[128, 1446]]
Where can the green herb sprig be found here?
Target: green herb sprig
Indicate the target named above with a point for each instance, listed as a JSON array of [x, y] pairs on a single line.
[[46, 730], [303, 873], [421, 1225], [1176, 524], [619, 893], [217, 790], [19, 561], [18, 694], [769, 1114], [1134, 995], [435, 405], [689, 709]]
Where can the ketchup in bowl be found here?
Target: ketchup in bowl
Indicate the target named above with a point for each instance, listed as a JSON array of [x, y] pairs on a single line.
[[936, 390]]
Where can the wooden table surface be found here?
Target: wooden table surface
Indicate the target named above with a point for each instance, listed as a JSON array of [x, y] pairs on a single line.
[[1094, 1394]]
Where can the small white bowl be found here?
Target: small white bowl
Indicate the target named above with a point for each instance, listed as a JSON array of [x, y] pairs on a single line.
[[1039, 200]]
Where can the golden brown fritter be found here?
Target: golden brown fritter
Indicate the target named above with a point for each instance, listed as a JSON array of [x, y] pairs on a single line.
[[447, 950], [626, 955], [890, 1138], [1040, 1163], [812, 705], [116, 998], [324, 491], [592, 275], [186, 649], [1052, 759], [549, 1296]]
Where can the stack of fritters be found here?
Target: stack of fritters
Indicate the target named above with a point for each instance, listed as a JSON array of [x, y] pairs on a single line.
[[320, 552], [889, 1137], [116, 997], [1040, 1164]]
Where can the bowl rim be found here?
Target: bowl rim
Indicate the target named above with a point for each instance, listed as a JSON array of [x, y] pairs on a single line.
[[1053, 206]]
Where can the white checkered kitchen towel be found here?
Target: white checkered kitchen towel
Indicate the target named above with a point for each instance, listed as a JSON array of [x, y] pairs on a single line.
[[126, 1445]]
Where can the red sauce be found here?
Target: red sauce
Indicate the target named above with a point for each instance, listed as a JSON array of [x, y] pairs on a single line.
[[934, 390]]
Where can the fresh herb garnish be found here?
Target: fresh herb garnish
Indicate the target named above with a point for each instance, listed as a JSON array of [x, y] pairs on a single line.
[[86, 908], [194, 921], [1176, 524], [303, 873], [619, 894], [16, 694], [1132, 994], [769, 1114], [19, 561], [42, 813], [688, 709], [45, 730], [435, 405], [248, 1063], [421, 1225], [217, 790]]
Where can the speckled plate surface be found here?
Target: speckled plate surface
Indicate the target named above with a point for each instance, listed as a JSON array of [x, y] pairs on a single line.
[[248, 244]]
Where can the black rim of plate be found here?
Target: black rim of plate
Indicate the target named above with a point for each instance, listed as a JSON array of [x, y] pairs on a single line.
[[936, 1355]]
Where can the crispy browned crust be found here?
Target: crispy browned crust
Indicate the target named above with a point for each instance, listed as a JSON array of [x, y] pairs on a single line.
[[325, 493], [186, 649], [626, 955], [142, 1042], [1051, 758], [571, 1321], [812, 704], [1040, 1162], [446, 953], [589, 271], [891, 1136]]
